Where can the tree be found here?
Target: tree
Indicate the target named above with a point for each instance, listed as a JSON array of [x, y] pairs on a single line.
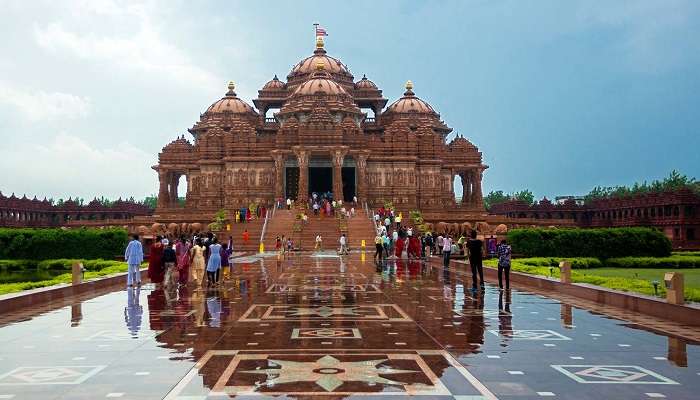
[[150, 201], [495, 197], [674, 181], [525, 196]]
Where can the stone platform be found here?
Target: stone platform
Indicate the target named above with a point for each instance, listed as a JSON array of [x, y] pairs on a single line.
[[332, 327]]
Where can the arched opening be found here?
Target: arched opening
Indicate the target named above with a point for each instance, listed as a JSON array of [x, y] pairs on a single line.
[[371, 116], [182, 190], [270, 114], [457, 188]]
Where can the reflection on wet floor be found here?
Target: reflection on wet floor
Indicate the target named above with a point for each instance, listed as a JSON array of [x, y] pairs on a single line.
[[320, 326]]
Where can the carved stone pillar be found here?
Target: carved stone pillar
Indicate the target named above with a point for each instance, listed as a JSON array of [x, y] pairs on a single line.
[[163, 195], [303, 161], [174, 180], [337, 158], [279, 175], [478, 196], [362, 177], [466, 187]]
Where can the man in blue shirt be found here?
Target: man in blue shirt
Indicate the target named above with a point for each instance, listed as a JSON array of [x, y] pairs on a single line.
[[134, 257]]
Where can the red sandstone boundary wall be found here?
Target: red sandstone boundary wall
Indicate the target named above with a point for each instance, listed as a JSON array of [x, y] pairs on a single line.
[[683, 314]]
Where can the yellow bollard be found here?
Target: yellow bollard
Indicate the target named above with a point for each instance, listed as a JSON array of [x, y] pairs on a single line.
[[262, 247], [362, 256], [363, 243], [228, 227], [565, 273]]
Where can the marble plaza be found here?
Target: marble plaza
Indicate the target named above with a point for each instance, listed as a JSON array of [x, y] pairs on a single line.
[[332, 328]]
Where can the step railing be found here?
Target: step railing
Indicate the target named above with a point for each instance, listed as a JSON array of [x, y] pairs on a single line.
[[268, 217]]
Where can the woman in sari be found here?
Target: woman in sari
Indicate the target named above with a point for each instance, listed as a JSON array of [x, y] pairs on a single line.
[[155, 262]]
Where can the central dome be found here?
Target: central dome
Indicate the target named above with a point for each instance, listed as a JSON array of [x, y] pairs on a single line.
[[320, 82], [308, 65]]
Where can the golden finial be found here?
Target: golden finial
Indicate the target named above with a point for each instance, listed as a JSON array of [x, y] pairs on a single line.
[[409, 85], [319, 42], [231, 85], [320, 66]]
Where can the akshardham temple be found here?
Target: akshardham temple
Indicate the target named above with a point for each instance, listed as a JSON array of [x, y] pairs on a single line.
[[320, 131]]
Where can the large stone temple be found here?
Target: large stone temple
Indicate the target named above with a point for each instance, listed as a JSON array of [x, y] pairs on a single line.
[[320, 131]]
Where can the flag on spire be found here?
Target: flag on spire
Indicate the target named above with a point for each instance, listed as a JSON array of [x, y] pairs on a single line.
[[320, 31]]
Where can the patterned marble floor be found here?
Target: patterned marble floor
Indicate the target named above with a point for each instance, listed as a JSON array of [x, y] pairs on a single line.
[[332, 327]]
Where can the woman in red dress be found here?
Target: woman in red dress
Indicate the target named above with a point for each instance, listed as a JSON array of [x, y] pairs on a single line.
[[155, 262]]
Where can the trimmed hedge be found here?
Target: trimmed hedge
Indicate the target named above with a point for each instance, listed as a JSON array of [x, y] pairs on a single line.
[[43, 244], [672, 262], [576, 263], [602, 243]]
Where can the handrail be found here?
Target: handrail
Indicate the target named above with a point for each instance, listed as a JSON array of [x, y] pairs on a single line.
[[264, 228]]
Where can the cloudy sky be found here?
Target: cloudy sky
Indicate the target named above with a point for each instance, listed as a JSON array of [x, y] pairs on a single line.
[[560, 96]]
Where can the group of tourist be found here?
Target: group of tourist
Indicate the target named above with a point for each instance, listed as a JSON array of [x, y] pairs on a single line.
[[188, 258], [246, 214]]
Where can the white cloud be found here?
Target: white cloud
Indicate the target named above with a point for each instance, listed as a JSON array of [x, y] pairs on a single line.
[[141, 50], [70, 166], [41, 105]]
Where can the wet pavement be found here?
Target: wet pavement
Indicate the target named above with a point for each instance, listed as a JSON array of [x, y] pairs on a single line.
[[336, 327]]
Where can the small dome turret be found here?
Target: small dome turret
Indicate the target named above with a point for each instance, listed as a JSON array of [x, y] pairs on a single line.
[[230, 103]]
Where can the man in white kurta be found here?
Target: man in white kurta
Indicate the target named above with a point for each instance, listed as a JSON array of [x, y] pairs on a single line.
[[134, 257]]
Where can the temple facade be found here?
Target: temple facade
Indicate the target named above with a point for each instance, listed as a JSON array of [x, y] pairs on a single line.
[[320, 131]]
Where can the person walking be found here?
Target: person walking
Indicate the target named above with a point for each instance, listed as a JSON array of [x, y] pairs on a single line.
[[476, 253], [504, 252], [439, 241], [446, 250], [169, 260], [183, 261], [197, 262], [246, 236], [214, 263], [225, 253], [319, 243], [289, 204], [155, 261], [343, 244], [133, 255], [379, 248]]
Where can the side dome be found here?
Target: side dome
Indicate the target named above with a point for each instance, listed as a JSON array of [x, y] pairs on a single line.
[[410, 103], [230, 103], [365, 83], [275, 83]]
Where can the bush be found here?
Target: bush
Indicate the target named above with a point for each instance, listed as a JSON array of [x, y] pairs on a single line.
[[42, 244], [672, 262], [602, 243], [576, 263]]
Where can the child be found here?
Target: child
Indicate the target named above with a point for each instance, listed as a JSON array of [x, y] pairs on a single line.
[[504, 252]]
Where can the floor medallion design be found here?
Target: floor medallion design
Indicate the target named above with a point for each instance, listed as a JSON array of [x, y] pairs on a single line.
[[326, 333], [376, 312], [630, 374], [336, 374]]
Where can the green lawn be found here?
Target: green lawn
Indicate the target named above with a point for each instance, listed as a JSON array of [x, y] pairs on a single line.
[[617, 278], [63, 278]]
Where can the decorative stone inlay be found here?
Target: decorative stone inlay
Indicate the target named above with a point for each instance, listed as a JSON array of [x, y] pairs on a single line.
[[326, 333], [624, 374], [529, 334], [54, 375]]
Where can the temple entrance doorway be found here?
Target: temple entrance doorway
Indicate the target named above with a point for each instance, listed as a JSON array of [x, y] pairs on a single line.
[[291, 182], [320, 180], [348, 183]]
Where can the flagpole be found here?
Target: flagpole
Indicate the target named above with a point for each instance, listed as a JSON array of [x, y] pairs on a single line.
[[315, 29]]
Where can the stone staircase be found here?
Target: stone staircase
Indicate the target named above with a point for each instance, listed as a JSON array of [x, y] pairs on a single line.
[[326, 226], [359, 228], [254, 228], [282, 223]]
